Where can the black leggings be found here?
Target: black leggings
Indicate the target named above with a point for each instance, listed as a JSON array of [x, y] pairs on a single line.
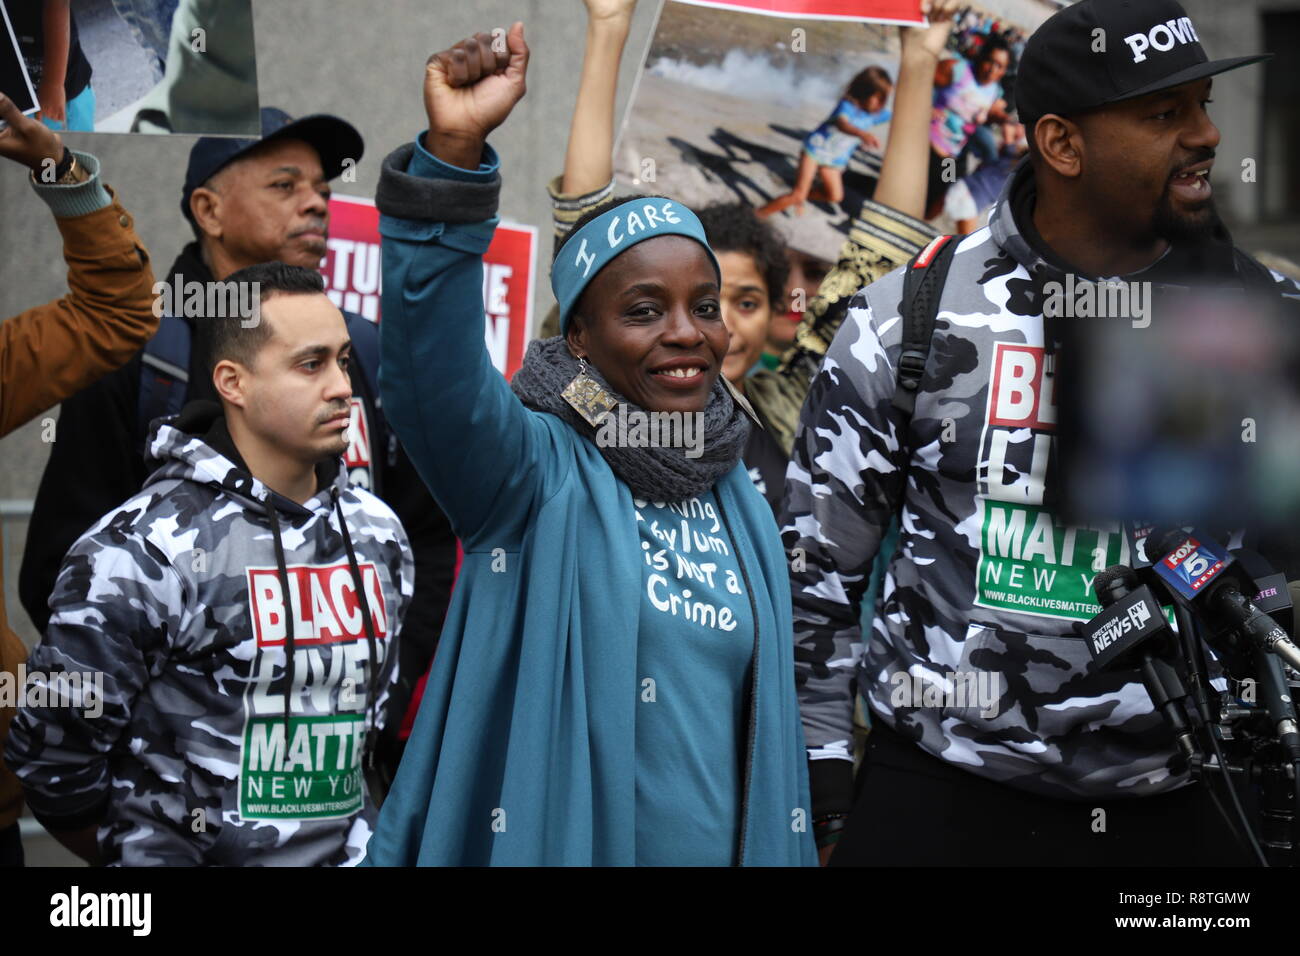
[[913, 809]]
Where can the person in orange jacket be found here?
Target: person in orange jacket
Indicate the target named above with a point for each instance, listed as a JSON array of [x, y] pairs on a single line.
[[52, 351]]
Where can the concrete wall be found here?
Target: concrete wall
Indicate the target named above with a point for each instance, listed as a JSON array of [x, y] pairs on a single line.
[[1227, 30]]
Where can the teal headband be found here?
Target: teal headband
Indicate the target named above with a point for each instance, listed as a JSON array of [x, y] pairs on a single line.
[[613, 232]]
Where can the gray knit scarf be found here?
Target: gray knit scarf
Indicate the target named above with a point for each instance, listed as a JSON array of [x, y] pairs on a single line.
[[655, 474]]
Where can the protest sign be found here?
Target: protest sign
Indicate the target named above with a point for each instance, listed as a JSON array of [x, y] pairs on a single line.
[[354, 276], [14, 81], [878, 11]]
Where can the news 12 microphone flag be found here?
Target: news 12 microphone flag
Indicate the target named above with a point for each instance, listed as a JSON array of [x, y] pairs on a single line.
[[353, 271], [876, 11]]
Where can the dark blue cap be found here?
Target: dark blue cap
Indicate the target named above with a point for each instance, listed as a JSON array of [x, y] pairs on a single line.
[[334, 139]]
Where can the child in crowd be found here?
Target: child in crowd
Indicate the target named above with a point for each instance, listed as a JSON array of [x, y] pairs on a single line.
[[59, 70], [752, 258], [967, 94], [828, 149], [973, 195], [804, 278]]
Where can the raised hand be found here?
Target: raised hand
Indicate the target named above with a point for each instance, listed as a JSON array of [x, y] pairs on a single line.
[[53, 100], [470, 89], [26, 140], [609, 9], [933, 38]]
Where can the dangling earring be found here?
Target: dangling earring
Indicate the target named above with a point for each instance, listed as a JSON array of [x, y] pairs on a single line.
[[739, 398], [588, 397]]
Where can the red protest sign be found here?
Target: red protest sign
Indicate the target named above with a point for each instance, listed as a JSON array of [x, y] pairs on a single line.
[[878, 11], [353, 276]]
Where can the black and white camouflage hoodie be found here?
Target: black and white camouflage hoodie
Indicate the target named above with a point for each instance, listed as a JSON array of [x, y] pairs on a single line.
[[973, 651], [215, 744]]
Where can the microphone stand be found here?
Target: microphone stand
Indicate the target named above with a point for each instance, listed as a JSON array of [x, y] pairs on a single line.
[[1254, 749]]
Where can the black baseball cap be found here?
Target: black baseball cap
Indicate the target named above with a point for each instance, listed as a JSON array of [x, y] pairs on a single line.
[[334, 139], [1145, 46]]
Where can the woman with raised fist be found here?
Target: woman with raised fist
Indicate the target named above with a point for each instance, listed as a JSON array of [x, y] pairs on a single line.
[[614, 684]]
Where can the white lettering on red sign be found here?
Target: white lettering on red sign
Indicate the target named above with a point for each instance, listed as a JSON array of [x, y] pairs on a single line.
[[353, 277], [496, 304], [1205, 578], [1023, 395], [324, 602], [1183, 550], [358, 450]]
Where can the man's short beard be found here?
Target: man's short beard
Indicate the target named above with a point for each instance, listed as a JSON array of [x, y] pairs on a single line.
[[1176, 227]]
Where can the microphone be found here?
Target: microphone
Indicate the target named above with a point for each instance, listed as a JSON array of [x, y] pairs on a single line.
[[1129, 631], [1294, 588], [1273, 599], [1204, 576], [1272, 595]]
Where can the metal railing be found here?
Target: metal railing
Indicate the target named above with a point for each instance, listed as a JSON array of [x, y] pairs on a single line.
[[15, 509]]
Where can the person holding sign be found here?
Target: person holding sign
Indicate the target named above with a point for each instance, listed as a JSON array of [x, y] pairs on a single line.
[[614, 684], [55, 349]]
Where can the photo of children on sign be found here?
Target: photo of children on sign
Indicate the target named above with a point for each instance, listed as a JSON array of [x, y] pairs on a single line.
[[135, 66], [788, 110]]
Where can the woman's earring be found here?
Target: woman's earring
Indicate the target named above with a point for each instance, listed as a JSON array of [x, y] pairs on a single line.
[[739, 398], [588, 397]]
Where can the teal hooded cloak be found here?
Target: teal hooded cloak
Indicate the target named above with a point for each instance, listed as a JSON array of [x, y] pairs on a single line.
[[523, 752]]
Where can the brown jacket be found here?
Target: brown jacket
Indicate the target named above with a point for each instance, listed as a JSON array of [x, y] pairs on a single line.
[[54, 350]]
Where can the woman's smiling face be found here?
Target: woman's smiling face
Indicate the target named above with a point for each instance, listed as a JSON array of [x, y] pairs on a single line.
[[651, 323]]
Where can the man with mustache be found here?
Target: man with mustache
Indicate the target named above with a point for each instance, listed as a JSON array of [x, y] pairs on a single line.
[[988, 582], [249, 201], [244, 610]]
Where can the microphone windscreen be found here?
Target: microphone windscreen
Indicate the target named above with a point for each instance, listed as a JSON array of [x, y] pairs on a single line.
[[1114, 583]]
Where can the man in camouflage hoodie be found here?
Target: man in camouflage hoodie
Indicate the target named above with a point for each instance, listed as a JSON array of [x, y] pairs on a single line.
[[988, 582], [216, 723]]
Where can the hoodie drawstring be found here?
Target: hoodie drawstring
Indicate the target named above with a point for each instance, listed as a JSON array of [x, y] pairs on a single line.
[[371, 643], [288, 614]]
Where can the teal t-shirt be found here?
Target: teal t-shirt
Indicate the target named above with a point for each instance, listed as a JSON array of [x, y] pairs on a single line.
[[694, 646]]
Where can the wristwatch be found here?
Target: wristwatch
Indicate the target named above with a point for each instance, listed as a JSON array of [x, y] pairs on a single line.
[[67, 171], [72, 173]]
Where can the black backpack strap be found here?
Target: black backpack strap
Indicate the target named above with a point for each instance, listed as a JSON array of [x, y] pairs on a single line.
[[922, 289], [164, 374], [1253, 273]]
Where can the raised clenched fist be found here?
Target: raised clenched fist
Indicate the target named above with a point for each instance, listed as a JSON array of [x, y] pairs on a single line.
[[470, 89]]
